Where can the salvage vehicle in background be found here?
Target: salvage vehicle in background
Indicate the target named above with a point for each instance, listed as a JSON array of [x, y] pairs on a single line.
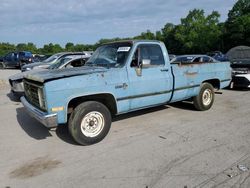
[[70, 61], [218, 55], [120, 77], [39, 58], [16, 59], [171, 56], [240, 73], [52, 59], [193, 59]]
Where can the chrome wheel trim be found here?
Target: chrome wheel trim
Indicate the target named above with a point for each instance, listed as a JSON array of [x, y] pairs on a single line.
[[207, 97], [92, 124]]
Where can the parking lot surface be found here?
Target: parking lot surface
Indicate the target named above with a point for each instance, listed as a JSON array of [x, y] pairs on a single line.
[[167, 146]]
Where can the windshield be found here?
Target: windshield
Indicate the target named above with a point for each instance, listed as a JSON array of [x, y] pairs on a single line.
[[59, 63], [110, 55], [51, 58]]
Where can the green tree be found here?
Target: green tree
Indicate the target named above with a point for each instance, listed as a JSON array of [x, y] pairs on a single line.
[[237, 26], [31, 47], [146, 35], [6, 48], [69, 46], [52, 48], [167, 35], [198, 33]]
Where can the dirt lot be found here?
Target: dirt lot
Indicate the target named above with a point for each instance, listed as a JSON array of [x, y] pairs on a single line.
[[169, 146]]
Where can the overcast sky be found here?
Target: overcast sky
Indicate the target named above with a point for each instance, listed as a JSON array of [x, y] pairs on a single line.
[[87, 21]]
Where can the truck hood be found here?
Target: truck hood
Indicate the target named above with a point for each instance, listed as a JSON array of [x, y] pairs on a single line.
[[20, 75], [48, 75]]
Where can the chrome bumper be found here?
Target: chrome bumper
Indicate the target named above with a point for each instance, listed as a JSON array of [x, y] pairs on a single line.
[[48, 121]]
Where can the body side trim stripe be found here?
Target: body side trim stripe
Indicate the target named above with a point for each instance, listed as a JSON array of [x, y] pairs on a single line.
[[156, 93]]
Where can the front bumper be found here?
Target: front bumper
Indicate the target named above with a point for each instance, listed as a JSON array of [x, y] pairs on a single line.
[[242, 81], [48, 120]]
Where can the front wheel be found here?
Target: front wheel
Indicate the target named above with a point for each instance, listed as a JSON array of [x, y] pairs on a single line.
[[205, 99], [89, 123]]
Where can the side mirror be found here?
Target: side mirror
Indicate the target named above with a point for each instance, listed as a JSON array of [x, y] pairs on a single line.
[[146, 63]]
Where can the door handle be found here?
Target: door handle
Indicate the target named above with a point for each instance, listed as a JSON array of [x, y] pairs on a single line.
[[164, 70]]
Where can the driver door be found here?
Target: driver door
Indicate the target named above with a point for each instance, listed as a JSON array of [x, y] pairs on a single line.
[[153, 86]]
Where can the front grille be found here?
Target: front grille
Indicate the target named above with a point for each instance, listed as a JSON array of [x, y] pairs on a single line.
[[34, 94]]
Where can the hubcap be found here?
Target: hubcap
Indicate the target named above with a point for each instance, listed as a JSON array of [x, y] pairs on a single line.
[[92, 124], [207, 97]]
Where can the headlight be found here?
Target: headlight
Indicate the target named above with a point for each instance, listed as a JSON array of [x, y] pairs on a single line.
[[41, 99]]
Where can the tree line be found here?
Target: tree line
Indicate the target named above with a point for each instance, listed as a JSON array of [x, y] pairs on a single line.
[[196, 33]]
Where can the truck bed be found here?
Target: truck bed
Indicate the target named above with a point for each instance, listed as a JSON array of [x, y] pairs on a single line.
[[189, 76]]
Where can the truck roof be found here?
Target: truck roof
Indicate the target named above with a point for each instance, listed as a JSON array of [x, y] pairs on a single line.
[[132, 41]]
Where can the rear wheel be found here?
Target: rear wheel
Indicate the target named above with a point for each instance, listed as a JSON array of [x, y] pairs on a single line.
[[205, 99], [89, 123]]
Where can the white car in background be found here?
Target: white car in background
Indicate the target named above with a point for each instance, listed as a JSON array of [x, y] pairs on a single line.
[[70, 61], [52, 59], [240, 73]]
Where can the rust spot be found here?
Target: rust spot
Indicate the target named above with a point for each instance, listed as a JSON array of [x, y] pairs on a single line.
[[191, 64], [34, 168], [191, 73], [102, 75]]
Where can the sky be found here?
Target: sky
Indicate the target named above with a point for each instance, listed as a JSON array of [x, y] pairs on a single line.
[[87, 21]]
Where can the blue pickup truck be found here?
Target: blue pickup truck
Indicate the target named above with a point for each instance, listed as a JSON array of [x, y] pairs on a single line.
[[119, 77], [16, 59]]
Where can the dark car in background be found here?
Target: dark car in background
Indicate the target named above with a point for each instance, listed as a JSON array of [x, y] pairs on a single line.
[[218, 55], [52, 59], [16, 59]]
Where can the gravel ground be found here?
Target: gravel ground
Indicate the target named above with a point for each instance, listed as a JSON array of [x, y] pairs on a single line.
[[168, 146]]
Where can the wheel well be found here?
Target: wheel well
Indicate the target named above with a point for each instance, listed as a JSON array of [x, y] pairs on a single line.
[[107, 99], [214, 82]]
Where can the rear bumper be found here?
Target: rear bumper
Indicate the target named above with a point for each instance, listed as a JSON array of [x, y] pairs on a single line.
[[48, 120]]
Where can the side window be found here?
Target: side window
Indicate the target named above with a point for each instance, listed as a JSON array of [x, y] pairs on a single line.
[[206, 59], [196, 60], [10, 56], [150, 52], [76, 63], [211, 60]]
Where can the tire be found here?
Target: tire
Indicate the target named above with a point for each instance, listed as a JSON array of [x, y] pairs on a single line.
[[2, 65], [89, 123], [20, 64], [205, 99]]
